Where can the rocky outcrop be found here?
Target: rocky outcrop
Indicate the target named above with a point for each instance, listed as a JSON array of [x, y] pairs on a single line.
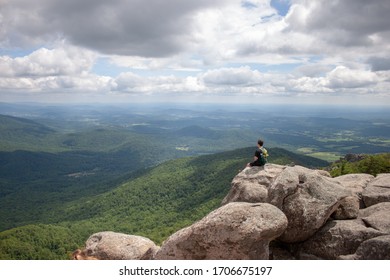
[[237, 230], [109, 245], [278, 212], [307, 197], [325, 219]]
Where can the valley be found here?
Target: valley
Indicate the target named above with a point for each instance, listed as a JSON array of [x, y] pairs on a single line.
[[151, 169]]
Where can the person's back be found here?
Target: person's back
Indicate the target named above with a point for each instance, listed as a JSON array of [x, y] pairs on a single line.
[[261, 154]]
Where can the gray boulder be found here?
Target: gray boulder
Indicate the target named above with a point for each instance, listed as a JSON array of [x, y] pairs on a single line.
[[252, 184], [377, 191], [356, 183], [380, 207], [307, 198], [377, 217], [336, 238], [110, 245], [237, 230], [377, 248], [348, 209]]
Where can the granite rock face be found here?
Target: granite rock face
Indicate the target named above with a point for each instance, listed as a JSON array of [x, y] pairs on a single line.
[[238, 230]]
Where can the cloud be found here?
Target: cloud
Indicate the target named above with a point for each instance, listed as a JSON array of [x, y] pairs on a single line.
[[379, 63], [151, 28], [242, 76], [339, 79], [134, 84], [343, 77], [56, 84], [48, 70], [341, 23], [222, 47], [65, 60]]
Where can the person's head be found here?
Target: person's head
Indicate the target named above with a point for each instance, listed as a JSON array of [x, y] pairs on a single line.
[[260, 143]]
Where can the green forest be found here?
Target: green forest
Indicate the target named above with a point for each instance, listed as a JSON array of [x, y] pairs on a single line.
[[370, 164], [155, 203]]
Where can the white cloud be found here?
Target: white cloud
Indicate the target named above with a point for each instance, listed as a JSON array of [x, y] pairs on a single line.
[[343, 77], [347, 23], [47, 70], [339, 79], [242, 76], [133, 83], [223, 47], [65, 60]]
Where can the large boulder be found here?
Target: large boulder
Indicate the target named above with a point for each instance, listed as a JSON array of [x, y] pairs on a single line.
[[237, 230], [252, 184], [377, 248], [356, 183], [380, 207], [377, 216], [348, 209], [307, 198], [336, 238], [377, 191], [110, 245]]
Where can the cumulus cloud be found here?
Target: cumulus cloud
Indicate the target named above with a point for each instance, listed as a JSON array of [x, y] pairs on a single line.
[[242, 76], [63, 68], [132, 83], [128, 27], [342, 23], [339, 79], [65, 60], [342, 77], [208, 47], [56, 84]]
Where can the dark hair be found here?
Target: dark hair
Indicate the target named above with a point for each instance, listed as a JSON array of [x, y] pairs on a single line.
[[260, 142]]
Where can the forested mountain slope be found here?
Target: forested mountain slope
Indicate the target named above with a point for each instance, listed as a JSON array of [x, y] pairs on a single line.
[[154, 203]]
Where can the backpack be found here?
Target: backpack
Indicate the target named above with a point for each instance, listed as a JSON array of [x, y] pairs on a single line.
[[263, 156]]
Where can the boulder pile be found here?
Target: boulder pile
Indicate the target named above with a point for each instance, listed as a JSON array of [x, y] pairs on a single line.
[[276, 212]]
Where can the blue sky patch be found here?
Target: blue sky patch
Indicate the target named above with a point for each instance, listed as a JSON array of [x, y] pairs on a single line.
[[282, 6]]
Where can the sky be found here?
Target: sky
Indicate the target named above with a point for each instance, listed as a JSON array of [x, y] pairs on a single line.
[[224, 51]]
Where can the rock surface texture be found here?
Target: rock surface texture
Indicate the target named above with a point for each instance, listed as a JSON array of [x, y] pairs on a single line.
[[278, 212], [109, 245], [237, 230]]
